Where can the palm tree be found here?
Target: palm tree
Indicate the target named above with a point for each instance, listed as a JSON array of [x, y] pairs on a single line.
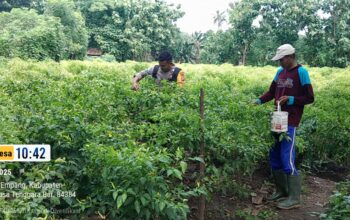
[[219, 18], [198, 39]]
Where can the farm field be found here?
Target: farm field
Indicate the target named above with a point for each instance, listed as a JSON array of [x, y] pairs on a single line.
[[123, 154]]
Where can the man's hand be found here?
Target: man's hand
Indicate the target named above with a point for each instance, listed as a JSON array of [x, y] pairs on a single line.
[[135, 86], [256, 102], [283, 100]]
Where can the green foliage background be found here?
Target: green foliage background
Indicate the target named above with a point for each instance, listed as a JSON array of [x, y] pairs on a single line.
[[139, 30]]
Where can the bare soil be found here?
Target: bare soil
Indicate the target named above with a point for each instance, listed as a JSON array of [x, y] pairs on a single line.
[[316, 190]]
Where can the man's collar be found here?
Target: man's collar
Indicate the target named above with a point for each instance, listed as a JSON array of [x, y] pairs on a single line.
[[293, 68]]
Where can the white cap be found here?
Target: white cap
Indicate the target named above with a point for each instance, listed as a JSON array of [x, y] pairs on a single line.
[[282, 51]]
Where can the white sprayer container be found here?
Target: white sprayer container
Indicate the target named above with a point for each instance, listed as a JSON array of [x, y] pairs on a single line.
[[279, 120]]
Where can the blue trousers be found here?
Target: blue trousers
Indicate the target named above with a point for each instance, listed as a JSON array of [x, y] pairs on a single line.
[[282, 154]]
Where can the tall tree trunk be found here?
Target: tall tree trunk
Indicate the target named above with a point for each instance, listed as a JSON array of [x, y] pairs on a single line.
[[197, 53], [244, 57]]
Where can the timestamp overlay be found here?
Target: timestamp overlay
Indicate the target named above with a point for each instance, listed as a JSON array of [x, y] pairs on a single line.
[[25, 153], [13, 185]]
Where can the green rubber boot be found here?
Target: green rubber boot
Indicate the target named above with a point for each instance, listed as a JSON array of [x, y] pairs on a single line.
[[294, 188], [281, 185]]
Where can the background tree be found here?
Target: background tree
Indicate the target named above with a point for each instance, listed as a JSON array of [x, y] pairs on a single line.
[[183, 48], [74, 26], [336, 32], [198, 39], [139, 30], [129, 29], [219, 47], [242, 14], [27, 35], [7, 5], [219, 19]]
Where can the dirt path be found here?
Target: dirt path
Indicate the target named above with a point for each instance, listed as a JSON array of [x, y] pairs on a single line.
[[315, 197]]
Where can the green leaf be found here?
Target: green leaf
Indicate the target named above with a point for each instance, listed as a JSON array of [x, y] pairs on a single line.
[[161, 206], [177, 174], [131, 191], [178, 153], [115, 194], [124, 196], [199, 159], [148, 214], [169, 172], [55, 200], [164, 159], [137, 206], [113, 185], [143, 200], [183, 166], [121, 199]]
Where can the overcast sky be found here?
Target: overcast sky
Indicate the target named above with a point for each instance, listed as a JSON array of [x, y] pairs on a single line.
[[199, 14]]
